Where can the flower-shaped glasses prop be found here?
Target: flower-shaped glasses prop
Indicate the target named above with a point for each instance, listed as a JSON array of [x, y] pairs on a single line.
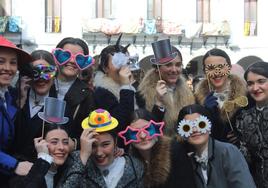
[[185, 127]]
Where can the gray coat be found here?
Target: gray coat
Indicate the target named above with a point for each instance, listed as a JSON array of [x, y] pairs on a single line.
[[226, 168], [252, 124], [82, 176]]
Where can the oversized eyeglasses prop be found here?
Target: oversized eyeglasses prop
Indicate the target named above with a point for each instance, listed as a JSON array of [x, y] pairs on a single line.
[[185, 127], [152, 129], [64, 56], [45, 72]]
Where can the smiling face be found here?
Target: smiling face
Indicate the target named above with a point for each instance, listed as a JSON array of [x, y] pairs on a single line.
[[103, 149], [41, 86], [197, 139], [217, 71], [58, 145], [258, 88], [146, 143], [8, 66], [70, 71], [171, 71]]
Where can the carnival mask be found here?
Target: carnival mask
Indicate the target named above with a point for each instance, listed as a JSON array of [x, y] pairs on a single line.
[[45, 72], [213, 71]]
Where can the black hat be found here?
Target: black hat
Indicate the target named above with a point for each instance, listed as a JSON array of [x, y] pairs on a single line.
[[162, 52]]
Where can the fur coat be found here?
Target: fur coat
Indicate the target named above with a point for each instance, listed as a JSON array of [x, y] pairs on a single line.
[[169, 165], [237, 88], [173, 101]]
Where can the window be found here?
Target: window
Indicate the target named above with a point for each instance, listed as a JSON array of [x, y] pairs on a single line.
[[53, 16], [250, 18], [203, 11], [124, 9], [5, 7]]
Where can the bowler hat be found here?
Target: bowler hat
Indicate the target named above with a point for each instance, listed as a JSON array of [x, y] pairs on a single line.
[[162, 52], [23, 57], [54, 110], [101, 120]]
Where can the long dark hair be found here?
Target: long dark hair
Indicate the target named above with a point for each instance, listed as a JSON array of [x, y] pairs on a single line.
[[142, 113], [43, 54], [191, 109], [50, 127], [216, 52], [74, 41], [110, 50], [260, 68]]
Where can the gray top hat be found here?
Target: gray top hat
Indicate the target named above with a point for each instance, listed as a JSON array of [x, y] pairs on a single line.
[[162, 52], [54, 110]]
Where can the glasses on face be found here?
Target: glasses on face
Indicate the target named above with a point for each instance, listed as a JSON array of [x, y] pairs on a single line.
[[152, 129], [217, 70], [185, 127], [45, 72], [64, 56]]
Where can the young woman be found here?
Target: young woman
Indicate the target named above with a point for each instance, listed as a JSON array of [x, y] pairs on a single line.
[[165, 160], [163, 88], [95, 165], [252, 124], [11, 59], [218, 87], [113, 89], [216, 164], [35, 87], [72, 56], [49, 167]]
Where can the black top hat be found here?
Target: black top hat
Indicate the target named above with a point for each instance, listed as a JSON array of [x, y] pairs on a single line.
[[162, 52], [54, 110]]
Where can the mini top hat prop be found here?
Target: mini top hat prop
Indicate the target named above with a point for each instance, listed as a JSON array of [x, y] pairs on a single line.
[[101, 120], [54, 110], [162, 52], [23, 57]]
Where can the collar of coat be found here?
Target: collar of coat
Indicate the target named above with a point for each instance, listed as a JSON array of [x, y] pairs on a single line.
[[77, 93], [174, 101], [102, 80], [131, 173], [158, 169], [197, 168], [237, 88]]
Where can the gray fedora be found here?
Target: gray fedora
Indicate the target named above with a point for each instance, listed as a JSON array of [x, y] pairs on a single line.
[[162, 52], [54, 110]]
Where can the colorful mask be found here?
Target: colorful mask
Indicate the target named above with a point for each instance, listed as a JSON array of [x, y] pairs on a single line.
[[152, 129], [64, 56], [45, 72], [219, 70], [185, 128]]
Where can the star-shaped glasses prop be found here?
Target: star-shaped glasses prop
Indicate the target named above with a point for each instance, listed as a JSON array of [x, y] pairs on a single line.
[[152, 129]]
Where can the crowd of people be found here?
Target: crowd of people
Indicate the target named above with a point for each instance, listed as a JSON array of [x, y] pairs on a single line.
[[75, 121]]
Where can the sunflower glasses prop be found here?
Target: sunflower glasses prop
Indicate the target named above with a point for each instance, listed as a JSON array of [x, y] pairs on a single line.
[[152, 129], [185, 127], [64, 56]]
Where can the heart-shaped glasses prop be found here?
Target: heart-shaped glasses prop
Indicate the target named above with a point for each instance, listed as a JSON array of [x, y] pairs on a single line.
[[64, 56]]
